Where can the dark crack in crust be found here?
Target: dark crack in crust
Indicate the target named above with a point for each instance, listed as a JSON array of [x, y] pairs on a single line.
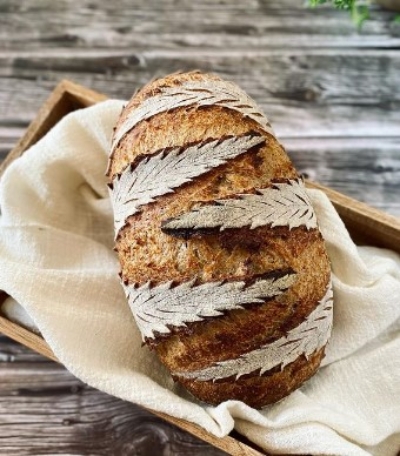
[[187, 233], [166, 150], [255, 390], [190, 327]]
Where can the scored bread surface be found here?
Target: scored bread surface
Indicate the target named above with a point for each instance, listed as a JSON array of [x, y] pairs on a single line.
[[168, 260]]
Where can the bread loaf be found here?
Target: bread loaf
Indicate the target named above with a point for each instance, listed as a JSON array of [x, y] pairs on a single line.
[[222, 261]]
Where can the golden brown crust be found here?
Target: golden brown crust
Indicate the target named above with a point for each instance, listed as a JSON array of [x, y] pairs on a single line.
[[189, 125], [255, 390], [131, 144], [210, 341], [148, 254]]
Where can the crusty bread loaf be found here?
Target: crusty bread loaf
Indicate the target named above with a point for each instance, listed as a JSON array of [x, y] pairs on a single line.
[[221, 257]]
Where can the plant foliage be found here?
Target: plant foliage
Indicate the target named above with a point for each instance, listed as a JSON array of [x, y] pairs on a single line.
[[359, 11]]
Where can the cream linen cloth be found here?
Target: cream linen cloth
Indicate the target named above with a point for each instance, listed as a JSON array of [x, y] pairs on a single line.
[[56, 260]]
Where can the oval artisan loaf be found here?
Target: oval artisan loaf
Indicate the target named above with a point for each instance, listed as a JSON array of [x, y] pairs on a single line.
[[222, 261]]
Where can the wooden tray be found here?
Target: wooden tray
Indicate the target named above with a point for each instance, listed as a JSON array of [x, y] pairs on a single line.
[[365, 224]]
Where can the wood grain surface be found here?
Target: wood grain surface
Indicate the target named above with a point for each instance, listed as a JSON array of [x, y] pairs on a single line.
[[332, 94], [45, 410]]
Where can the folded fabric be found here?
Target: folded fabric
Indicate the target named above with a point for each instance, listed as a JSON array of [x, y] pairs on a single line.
[[56, 260]]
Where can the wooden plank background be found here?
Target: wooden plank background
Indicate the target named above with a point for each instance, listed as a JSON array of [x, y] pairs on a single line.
[[332, 94]]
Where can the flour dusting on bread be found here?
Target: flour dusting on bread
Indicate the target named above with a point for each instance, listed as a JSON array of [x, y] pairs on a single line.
[[222, 260]]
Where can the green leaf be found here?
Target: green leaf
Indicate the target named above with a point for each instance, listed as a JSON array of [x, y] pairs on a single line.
[[344, 4], [359, 11], [359, 14], [339, 4], [315, 3]]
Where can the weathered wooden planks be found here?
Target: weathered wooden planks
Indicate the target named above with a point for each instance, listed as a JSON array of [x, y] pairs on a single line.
[[304, 92], [307, 94], [367, 169], [332, 94], [44, 410], [177, 24]]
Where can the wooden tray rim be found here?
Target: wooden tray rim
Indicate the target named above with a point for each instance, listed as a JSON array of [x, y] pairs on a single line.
[[386, 226]]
